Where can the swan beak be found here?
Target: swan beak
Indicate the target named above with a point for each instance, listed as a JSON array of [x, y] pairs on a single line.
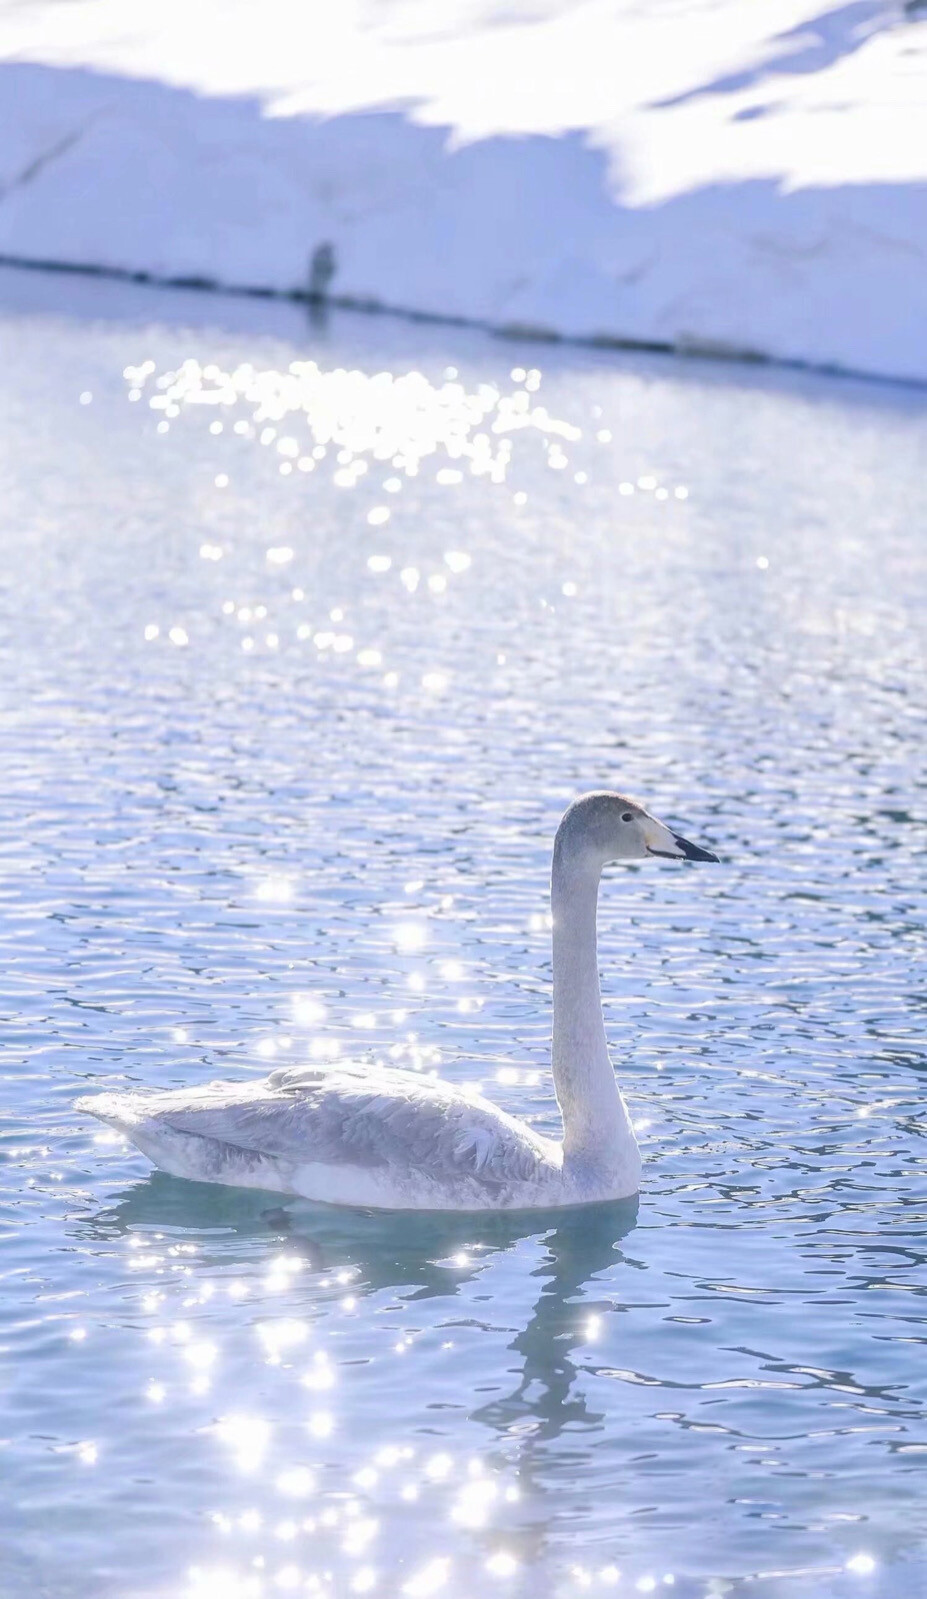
[[680, 849], [692, 852]]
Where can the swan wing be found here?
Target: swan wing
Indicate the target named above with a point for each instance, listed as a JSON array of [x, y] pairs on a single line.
[[388, 1124], [373, 1119]]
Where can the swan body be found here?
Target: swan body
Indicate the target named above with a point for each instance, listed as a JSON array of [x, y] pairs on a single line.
[[386, 1139]]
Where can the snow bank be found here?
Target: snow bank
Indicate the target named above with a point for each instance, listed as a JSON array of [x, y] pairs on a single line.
[[692, 173]]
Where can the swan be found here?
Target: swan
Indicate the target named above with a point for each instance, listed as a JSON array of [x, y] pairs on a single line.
[[388, 1140]]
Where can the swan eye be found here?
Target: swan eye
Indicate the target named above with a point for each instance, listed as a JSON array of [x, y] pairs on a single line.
[[627, 816]]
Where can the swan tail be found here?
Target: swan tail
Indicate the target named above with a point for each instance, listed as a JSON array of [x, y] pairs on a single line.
[[142, 1118], [122, 1111], [134, 1116]]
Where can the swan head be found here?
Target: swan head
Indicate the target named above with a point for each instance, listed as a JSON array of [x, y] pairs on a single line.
[[604, 827]]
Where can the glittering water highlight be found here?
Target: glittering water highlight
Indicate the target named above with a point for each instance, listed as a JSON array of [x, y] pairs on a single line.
[[307, 640]]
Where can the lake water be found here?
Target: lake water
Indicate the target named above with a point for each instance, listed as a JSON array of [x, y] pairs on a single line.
[[291, 710]]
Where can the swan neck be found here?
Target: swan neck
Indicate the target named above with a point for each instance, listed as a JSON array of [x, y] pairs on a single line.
[[595, 1121]]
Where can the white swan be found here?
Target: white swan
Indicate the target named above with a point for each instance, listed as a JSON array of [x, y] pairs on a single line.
[[358, 1135]]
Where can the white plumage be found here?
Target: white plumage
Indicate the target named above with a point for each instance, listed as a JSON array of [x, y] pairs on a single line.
[[380, 1137], [345, 1134]]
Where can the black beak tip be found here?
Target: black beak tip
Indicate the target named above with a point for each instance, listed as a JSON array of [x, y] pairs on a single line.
[[694, 852]]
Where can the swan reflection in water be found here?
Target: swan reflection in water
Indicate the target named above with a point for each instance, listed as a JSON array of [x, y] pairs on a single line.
[[411, 1252]]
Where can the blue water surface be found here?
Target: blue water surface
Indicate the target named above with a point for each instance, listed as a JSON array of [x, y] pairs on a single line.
[[300, 664]]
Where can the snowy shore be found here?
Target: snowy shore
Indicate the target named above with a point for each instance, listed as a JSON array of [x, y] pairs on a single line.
[[698, 175]]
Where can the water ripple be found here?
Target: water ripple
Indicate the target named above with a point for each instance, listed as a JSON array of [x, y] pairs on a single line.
[[302, 659]]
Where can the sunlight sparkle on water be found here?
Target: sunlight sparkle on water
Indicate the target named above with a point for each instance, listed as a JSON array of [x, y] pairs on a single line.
[[429, 1580], [248, 1437], [281, 1336], [472, 1506], [366, 419], [296, 1483], [275, 890], [321, 1424], [307, 1010], [321, 1374], [502, 1564]]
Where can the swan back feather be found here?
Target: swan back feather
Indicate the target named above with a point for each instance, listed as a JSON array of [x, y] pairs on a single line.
[[313, 1129]]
